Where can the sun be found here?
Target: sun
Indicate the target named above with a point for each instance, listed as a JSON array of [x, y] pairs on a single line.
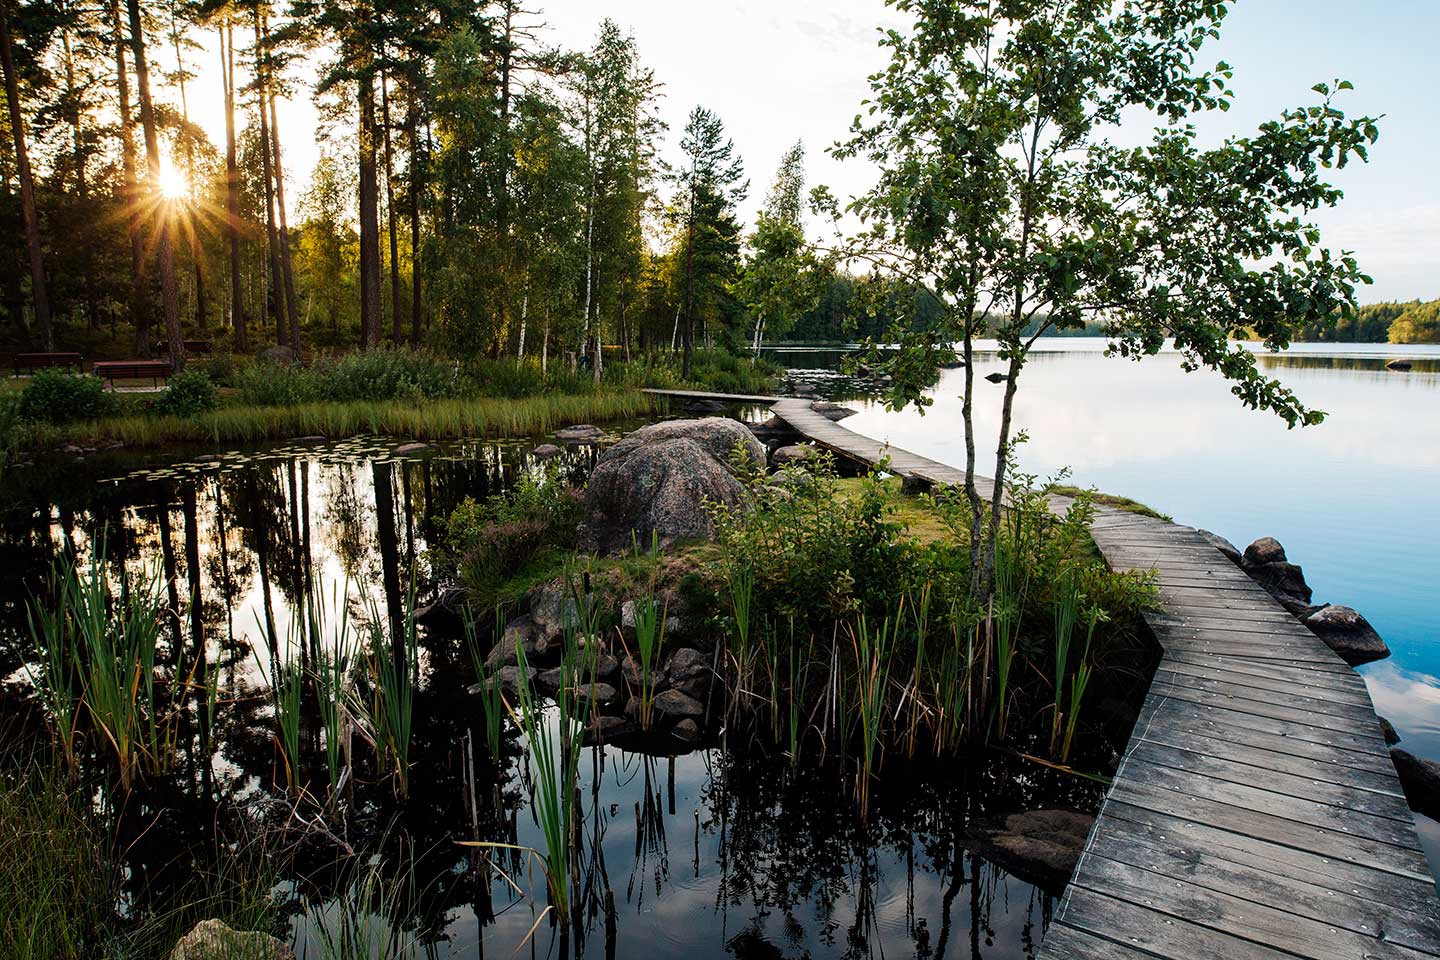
[[174, 185]]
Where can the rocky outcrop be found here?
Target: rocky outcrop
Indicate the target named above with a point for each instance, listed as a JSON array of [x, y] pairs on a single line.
[[213, 940], [1268, 566], [656, 481], [1347, 633], [1421, 780], [1038, 846]]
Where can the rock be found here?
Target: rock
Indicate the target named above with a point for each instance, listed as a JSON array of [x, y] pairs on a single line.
[[1039, 846], [686, 731], [772, 427], [607, 667], [1387, 730], [805, 389], [1262, 551], [832, 411], [656, 480], [406, 449], [1347, 633], [278, 355], [447, 610], [1421, 780], [503, 653], [676, 705], [704, 406], [546, 451], [581, 433], [630, 672], [311, 438], [996, 377], [913, 486], [213, 940], [686, 664], [696, 687], [553, 610], [509, 679], [599, 694], [1284, 580], [1401, 365], [794, 453], [627, 621], [606, 729], [1231, 551]]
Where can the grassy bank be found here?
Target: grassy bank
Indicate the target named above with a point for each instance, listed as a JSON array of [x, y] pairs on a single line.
[[418, 419]]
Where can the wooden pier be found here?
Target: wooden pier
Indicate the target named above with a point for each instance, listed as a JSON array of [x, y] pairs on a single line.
[[1256, 812]]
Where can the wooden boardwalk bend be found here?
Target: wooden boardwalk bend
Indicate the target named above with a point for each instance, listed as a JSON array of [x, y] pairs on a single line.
[[1256, 812]]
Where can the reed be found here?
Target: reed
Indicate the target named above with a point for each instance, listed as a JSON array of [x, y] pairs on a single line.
[[555, 750], [1093, 617], [650, 616], [395, 678], [492, 694], [873, 651], [1067, 610], [426, 420]]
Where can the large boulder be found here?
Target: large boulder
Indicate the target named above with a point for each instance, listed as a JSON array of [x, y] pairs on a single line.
[[1038, 846], [1262, 551], [213, 940], [1347, 633], [794, 453], [1420, 778], [657, 479], [1267, 565]]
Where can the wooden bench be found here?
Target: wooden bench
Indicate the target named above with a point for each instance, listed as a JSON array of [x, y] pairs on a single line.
[[152, 370], [191, 346], [39, 361]]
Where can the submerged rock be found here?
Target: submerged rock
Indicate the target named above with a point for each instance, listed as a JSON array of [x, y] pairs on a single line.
[[1347, 633], [704, 406], [686, 731], [606, 729], [996, 377], [656, 481], [580, 433], [1400, 365], [447, 610], [1038, 846], [546, 451], [406, 449], [213, 940], [1421, 780], [832, 411]]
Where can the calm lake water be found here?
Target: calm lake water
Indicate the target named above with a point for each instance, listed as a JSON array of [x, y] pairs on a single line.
[[1355, 501]]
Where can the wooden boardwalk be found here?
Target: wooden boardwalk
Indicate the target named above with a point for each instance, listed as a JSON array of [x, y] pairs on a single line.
[[1256, 812], [704, 395]]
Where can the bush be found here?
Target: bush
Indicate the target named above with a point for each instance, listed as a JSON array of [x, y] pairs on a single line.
[[57, 397], [189, 394], [266, 384], [220, 368], [373, 375]]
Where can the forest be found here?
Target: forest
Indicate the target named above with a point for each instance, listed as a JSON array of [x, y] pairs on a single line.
[[477, 187]]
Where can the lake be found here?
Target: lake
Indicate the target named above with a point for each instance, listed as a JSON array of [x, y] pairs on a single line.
[[1355, 501]]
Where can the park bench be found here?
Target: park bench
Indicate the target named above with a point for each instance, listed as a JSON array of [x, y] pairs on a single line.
[[112, 370], [191, 346], [38, 361]]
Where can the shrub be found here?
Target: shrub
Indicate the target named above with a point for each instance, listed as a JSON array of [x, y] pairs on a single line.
[[388, 375], [266, 384], [57, 397], [220, 368], [189, 394]]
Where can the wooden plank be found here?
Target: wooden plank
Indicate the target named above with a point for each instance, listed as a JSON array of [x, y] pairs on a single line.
[[1307, 685], [1316, 702], [1155, 934], [1411, 894], [1064, 942], [1243, 916], [1277, 719]]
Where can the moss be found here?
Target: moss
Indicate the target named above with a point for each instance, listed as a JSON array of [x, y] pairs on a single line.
[[1113, 500]]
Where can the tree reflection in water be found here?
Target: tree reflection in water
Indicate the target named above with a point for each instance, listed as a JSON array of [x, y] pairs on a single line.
[[725, 851]]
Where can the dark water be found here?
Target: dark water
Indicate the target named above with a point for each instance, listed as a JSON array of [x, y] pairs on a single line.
[[1355, 501], [723, 851]]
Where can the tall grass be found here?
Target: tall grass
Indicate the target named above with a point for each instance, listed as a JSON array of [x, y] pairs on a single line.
[[1068, 599], [492, 693], [395, 675], [650, 616], [873, 653], [425, 420]]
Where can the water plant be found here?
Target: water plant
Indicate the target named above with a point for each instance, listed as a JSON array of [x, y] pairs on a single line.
[[492, 694], [1093, 617], [1068, 599], [873, 651], [650, 616], [394, 658]]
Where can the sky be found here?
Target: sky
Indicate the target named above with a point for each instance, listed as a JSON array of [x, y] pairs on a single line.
[[777, 71]]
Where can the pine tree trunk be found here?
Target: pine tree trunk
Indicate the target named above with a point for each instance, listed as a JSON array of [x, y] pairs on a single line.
[[38, 292], [369, 217], [197, 250], [689, 289], [287, 274], [164, 248], [415, 171], [130, 196], [276, 298], [232, 191], [390, 216]]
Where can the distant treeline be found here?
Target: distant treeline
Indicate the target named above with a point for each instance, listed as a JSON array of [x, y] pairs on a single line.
[[1414, 321], [854, 308]]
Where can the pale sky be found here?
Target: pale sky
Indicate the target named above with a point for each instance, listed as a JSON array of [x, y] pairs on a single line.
[[781, 70]]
